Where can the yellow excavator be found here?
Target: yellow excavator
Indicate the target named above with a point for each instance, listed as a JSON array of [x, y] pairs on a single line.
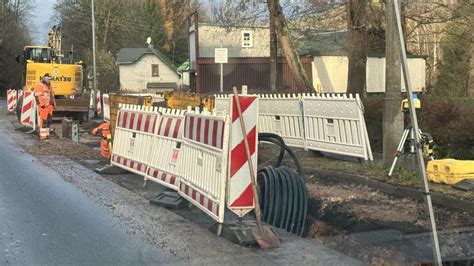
[[67, 75]]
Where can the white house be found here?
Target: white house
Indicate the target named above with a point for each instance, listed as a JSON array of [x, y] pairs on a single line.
[[330, 66], [145, 70], [330, 74]]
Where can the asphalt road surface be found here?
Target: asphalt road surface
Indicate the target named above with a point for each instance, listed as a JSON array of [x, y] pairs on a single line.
[[45, 220]]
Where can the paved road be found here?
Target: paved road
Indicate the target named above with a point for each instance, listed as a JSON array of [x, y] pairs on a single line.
[[45, 220]]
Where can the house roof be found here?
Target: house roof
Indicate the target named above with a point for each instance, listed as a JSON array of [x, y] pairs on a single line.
[[184, 67], [127, 56], [324, 43], [334, 43]]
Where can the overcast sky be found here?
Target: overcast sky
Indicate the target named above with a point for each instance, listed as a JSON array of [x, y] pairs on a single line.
[[41, 20]]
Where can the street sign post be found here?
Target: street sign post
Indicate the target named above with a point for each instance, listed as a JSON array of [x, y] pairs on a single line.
[[221, 57]]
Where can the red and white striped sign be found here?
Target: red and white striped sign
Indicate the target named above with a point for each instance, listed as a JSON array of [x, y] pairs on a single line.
[[240, 194], [105, 98], [98, 102], [28, 110], [133, 137], [166, 147], [202, 161], [11, 100]]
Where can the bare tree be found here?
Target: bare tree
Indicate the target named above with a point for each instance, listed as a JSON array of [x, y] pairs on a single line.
[[356, 11], [273, 53], [237, 12], [14, 35], [288, 47]]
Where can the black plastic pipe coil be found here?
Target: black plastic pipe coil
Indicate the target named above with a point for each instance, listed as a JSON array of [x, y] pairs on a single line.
[[283, 194]]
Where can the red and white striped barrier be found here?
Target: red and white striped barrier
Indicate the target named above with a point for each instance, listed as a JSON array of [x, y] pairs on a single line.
[[28, 110], [98, 101], [11, 100], [202, 161], [133, 137], [199, 154], [240, 195], [105, 100], [19, 95], [166, 147]]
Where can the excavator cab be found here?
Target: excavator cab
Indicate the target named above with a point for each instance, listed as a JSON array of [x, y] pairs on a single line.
[[38, 54]]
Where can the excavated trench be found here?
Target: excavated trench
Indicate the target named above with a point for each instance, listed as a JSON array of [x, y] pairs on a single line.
[[376, 224]]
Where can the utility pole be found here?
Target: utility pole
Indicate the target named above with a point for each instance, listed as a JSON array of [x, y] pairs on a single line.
[[392, 115], [94, 66], [419, 148]]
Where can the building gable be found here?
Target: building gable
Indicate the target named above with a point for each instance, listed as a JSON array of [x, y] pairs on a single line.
[[146, 72], [240, 41]]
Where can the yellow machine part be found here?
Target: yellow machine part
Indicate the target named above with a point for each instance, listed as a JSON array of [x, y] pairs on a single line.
[[116, 99], [66, 78], [405, 104], [181, 100], [449, 171]]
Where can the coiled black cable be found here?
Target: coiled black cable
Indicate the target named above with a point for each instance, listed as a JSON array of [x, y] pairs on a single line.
[[275, 139], [283, 194]]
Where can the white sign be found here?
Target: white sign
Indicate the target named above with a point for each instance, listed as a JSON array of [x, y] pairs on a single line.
[[220, 55]]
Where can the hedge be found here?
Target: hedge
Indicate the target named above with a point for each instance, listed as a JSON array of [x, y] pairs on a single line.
[[449, 120]]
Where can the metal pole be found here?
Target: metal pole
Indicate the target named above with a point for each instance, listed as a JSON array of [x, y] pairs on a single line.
[[222, 76], [94, 66], [415, 128]]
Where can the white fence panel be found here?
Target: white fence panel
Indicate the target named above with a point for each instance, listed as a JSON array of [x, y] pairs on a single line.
[[133, 138], [165, 148], [222, 102], [281, 114], [335, 124], [202, 161]]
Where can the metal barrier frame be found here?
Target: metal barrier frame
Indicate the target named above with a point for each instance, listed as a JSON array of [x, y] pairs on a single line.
[[191, 186], [287, 122], [167, 150], [120, 157], [354, 143]]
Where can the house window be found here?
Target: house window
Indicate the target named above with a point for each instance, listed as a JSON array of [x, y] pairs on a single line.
[[155, 70], [247, 38]]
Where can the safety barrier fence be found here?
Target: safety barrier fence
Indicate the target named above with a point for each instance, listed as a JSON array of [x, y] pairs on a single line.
[[202, 164], [335, 123], [165, 148], [332, 123], [281, 114], [12, 99], [133, 137], [201, 155]]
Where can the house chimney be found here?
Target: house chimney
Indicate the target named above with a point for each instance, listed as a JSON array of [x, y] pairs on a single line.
[[148, 41]]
